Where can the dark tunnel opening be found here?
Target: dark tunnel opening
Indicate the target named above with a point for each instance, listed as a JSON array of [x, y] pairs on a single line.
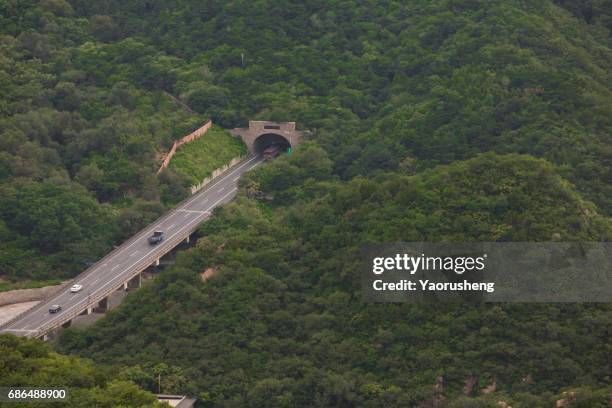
[[268, 140]]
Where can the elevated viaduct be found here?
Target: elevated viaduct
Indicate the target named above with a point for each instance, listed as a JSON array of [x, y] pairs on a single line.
[[121, 268]]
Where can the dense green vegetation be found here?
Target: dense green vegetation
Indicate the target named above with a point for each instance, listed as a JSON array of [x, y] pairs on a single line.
[[198, 159], [436, 81], [81, 136], [454, 120], [30, 363], [50, 227], [283, 320], [94, 92]]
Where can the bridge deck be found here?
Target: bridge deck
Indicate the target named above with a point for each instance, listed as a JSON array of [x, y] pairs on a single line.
[[131, 258]]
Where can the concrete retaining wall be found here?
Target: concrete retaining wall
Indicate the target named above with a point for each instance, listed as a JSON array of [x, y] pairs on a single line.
[[216, 173], [28, 295]]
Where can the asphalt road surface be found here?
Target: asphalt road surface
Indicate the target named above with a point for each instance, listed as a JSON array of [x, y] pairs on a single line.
[[135, 254]]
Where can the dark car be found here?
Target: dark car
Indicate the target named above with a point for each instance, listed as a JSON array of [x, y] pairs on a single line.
[[55, 309], [156, 238]]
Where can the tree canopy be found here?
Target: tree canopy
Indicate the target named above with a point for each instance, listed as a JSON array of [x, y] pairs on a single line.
[[441, 120]]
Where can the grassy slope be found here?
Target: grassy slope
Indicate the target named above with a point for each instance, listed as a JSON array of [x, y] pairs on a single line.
[[200, 158]]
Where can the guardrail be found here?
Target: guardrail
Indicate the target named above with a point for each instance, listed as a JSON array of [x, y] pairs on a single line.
[[143, 232], [92, 268], [60, 288], [133, 272], [216, 173]]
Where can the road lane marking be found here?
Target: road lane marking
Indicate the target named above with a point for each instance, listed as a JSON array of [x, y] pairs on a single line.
[[236, 179], [221, 189], [193, 198], [219, 200], [225, 176], [221, 179], [170, 227], [207, 212], [153, 250], [128, 268], [92, 283], [134, 253]]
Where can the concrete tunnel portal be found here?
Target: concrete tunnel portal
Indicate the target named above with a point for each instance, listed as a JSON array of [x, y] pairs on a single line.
[[262, 134]]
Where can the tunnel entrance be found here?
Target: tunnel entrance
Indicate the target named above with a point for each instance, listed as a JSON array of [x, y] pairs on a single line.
[[269, 140], [262, 133]]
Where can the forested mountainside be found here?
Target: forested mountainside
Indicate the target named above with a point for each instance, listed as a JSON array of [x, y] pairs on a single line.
[[94, 92], [453, 120], [436, 81], [79, 146], [282, 322], [31, 363]]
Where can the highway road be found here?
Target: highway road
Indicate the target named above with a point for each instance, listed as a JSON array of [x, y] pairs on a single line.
[[134, 255]]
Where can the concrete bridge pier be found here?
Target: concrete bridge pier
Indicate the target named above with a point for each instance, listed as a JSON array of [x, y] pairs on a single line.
[[87, 311], [51, 334], [157, 262], [102, 306], [187, 239], [134, 283]]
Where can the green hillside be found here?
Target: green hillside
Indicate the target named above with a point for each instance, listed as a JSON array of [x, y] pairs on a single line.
[[284, 321], [436, 81], [31, 364], [93, 93], [441, 120]]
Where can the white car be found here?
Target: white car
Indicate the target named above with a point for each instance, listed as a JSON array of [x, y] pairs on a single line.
[[76, 288]]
